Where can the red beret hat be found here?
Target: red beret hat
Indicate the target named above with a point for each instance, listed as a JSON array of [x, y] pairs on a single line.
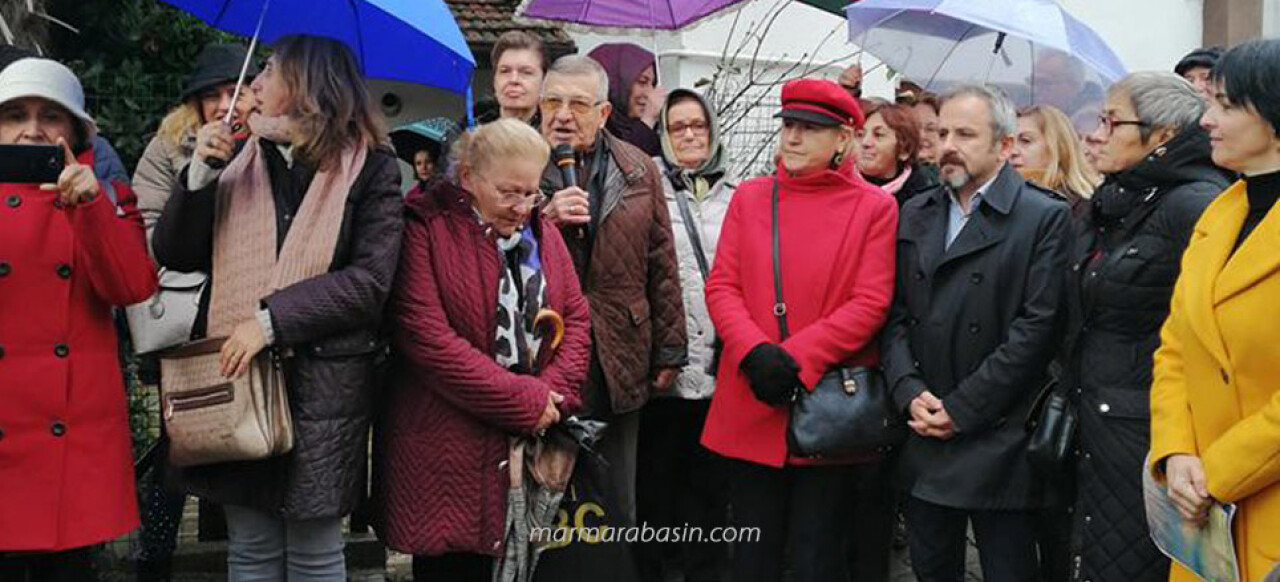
[[819, 102]]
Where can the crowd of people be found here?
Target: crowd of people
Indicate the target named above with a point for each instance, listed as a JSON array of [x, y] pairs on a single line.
[[591, 255]]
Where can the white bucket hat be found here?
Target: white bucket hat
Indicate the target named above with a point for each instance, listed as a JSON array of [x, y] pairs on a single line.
[[33, 77]]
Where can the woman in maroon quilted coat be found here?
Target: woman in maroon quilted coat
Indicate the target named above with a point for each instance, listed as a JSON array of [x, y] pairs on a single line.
[[475, 272]]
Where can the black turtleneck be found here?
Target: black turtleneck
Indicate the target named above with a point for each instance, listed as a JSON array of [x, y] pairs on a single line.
[[1263, 190]]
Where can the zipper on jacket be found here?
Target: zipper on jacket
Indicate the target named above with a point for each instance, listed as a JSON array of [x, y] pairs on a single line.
[[197, 399]]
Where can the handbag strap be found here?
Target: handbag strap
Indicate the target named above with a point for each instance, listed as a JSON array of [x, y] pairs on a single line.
[[692, 229], [780, 306]]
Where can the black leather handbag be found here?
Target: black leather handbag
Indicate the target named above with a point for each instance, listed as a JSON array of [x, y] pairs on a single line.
[[1051, 432], [849, 412]]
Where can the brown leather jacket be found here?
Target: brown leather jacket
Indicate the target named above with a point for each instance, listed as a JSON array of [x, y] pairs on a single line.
[[633, 282]]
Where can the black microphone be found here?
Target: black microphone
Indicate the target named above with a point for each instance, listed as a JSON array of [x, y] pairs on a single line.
[[563, 156]]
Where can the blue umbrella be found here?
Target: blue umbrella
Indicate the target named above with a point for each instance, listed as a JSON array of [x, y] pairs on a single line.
[[1034, 49], [415, 41]]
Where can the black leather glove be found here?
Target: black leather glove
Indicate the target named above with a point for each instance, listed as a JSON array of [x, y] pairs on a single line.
[[773, 374]]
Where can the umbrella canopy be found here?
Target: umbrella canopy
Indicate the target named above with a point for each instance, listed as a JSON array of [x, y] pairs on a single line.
[[642, 14], [415, 41], [432, 135], [1033, 49]]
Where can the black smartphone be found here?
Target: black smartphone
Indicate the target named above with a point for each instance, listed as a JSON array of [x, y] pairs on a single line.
[[31, 164]]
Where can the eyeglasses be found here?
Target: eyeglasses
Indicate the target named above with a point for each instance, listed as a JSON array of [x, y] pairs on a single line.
[[552, 105], [697, 127], [515, 198], [1109, 124]]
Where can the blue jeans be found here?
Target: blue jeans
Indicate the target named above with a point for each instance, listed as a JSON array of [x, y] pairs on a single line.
[[267, 548]]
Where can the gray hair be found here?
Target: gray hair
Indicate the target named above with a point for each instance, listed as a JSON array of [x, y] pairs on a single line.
[[1004, 116], [580, 66], [1161, 100]]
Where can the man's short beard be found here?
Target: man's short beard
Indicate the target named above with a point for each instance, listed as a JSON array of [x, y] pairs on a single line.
[[958, 179]]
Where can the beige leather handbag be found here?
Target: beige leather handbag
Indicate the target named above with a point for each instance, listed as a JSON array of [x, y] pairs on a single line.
[[212, 419]]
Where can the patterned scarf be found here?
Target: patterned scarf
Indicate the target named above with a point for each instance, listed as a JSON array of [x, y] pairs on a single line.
[[519, 302]]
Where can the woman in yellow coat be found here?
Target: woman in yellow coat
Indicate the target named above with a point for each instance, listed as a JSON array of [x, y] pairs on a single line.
[[1215, 400]]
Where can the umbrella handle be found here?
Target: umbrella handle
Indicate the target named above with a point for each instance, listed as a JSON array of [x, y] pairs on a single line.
[[244, 67]]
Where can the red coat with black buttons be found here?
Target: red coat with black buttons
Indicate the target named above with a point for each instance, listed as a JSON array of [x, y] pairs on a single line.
[[66, 470]]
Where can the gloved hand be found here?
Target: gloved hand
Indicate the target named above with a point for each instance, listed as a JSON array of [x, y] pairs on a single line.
[[773, 374]]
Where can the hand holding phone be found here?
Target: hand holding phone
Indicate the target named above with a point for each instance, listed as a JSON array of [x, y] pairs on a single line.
[[77, 182], [30, 164]]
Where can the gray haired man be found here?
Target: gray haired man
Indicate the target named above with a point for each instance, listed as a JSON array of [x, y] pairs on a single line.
[[981, 266], [614, 220]]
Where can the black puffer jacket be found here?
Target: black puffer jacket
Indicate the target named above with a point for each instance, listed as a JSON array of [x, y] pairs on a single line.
[[332, 324], [1124, 263]]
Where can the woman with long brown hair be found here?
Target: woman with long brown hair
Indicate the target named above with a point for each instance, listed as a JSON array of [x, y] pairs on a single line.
[[300, 235]]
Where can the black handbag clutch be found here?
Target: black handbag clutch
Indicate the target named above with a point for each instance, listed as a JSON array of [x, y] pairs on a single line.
[[1051, 432], [849, 412]]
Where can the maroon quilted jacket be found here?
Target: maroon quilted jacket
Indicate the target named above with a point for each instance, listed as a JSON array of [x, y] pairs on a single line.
[[442, 438]]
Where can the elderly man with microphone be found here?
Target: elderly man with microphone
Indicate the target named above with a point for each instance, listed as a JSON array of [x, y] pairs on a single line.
[[608, 203]]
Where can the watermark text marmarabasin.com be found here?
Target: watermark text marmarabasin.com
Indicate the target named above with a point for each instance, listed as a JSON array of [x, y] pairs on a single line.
[[562, 536]]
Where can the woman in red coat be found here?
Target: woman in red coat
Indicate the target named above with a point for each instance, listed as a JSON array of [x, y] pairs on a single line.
[[837, 258], [68, 252], [475, 270]]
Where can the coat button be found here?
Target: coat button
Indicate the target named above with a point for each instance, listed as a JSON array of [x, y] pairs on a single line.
[[1, 434], [912, 321], [58, 429], [14, 201], [975, 278], [1, 352], [1104, 408], [974, 328], [5, 269], [919, 276], [61, 350], [64, 271]]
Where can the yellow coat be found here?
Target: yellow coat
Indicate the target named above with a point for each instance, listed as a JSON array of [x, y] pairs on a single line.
[[1216, 391]]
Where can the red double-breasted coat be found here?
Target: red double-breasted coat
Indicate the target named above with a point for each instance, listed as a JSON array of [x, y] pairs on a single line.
[[66, 471]]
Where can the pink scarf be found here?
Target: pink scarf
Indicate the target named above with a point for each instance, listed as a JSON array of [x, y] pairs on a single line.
[[894, 185], [246, 267]]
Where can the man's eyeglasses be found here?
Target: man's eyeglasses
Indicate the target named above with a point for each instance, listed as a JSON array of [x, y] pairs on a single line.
[[552, 105], [697, 127], [1109, 124]]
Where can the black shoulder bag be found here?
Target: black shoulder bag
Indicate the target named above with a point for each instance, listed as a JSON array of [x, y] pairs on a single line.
[[717, 345], [849, 412]]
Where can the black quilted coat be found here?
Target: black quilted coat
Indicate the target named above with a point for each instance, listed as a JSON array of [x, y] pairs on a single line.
[[331, 323], [1124, 264]]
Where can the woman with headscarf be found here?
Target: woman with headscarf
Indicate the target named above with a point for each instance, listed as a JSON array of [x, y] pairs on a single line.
[[678, 481], [633, 81]]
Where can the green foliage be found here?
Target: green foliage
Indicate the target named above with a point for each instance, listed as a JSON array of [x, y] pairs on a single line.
[[132, 57]]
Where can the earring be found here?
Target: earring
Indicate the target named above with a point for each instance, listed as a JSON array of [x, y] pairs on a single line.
[[837, 159]]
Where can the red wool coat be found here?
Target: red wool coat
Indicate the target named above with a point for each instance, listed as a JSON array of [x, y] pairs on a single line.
[[837, 238], [66, 469], [440, 480]]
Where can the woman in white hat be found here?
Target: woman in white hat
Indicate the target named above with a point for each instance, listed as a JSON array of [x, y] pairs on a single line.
[[69, 251]]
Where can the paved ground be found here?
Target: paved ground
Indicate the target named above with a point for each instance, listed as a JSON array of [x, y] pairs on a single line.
[[204, 562]]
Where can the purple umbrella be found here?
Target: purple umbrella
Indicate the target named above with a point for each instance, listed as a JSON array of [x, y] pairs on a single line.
[[642, 14]]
